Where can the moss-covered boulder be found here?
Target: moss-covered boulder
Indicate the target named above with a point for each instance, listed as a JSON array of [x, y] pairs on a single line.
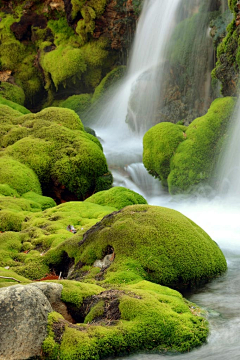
[[117, 197], [144, 316], [18, 176], [69, 162], [184, 157], [78, 103], [44, 201], [155, 243], [159, 146]]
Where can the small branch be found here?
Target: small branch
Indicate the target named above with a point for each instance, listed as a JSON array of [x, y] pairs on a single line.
[[9, 278]]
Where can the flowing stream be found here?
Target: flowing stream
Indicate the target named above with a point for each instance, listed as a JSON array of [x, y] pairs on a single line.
[[218, 216]]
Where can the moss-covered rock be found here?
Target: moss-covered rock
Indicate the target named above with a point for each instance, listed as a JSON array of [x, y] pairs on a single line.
[[117, 197], [170, 248], [184, 157], [69, 162], [44, 201], [18, 176], [109, 80], [12, 92], [8, 273], [13, 105], [130, 311], [195, 158], [78, 103], [159, 146]]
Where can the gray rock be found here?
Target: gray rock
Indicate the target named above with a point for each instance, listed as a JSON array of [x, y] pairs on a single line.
[[23, 321]]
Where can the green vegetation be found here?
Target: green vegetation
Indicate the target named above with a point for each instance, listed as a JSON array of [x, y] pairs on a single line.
[[78, 103], [109, 80], [12, 92], [175, 327], [172, 250], [184, 157], [55, 146], [117, 197], [159, 146], [18, 176]]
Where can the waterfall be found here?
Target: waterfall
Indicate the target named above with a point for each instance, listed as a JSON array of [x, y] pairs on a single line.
[[229, 164]]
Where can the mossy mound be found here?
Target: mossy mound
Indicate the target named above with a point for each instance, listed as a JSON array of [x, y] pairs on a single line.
[[117, 197], [41, 240], [144, 316], [184, 158], [195, 158], [12, 92], [78, 103], [6, 190], [69, 162], [18, 176], [13, 105], [109, 80], [159, 145], [159, 244], [44, 201], [8, 273]]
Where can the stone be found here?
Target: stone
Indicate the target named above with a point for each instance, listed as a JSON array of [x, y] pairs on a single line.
[[23, 321]]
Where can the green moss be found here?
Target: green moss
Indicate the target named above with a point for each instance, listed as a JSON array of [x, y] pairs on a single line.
[[44, 201], [64, 63], [13, 135], [13, 105], [78, 103], [117, 197], [10, 245], [109, 80], [171, 249], [18, 176], [6, 190], [8, 114], [159, 145], [194, 160], [18, 204], [12, 92], [11, 273], [95, 312], [174, 327]]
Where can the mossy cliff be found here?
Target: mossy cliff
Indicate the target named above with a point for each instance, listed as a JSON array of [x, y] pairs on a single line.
[[184, 157], [53, 49], [228, 54], [67, 161]]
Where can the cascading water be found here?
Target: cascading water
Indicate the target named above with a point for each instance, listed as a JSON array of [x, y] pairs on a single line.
[[229, 164]]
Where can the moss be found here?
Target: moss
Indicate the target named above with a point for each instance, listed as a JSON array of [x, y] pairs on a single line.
[[63, 117], [174, 327], [12, 92], [44, 201], [159, 145], [95, 312], [194, 160], [11, 273], [54, 144], [109, 80], [117, 197], [78, 103], [6, 190], [18, 176], [18, 204], [8, 114], [63, 63], [13, 105], [10, 245], [171, 249]]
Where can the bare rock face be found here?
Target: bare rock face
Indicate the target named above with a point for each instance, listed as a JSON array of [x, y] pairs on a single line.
[[23, 319]]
